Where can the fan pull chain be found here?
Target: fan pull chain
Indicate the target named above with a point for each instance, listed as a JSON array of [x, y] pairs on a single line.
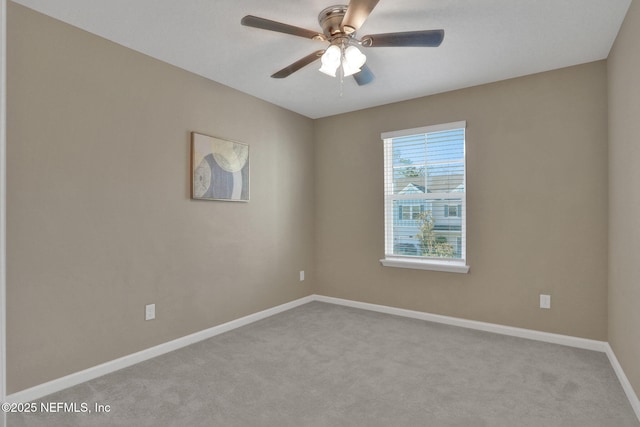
[[341, 69]]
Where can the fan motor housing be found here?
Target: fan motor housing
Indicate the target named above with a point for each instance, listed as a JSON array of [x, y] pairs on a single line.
[[330, 20]]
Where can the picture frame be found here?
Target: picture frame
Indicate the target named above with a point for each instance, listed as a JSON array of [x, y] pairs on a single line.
[[219, 169]]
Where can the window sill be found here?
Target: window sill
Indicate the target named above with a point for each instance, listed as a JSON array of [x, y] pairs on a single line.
[[422, 264]]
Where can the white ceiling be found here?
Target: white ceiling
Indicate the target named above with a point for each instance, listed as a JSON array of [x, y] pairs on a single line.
[[485, 41]]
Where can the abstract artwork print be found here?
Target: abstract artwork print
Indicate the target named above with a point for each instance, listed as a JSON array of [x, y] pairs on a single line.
[[220, 169]]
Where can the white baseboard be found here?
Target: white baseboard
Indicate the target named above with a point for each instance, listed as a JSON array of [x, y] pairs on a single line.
[[53, 386], [42, 390], [567, 340], [624, 381]]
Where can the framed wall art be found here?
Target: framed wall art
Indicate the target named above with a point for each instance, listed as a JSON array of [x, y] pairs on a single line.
[[219, 169]]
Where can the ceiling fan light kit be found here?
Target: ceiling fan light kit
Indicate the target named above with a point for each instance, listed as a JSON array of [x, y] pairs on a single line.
[[350, 58], [339, 25]]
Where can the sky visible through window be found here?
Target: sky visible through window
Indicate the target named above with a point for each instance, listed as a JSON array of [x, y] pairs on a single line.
[[445, 146]]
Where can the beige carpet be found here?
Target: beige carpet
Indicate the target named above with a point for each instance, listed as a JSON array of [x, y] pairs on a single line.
[[327, 365]]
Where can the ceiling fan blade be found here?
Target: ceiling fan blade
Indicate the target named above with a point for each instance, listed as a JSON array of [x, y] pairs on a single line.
[[364, 76], [356, 14], [267, 24], [287, 71], [426, 38]]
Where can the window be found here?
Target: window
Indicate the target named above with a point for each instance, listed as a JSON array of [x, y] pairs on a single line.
[[425, 198], [410, 212], [452, 210]]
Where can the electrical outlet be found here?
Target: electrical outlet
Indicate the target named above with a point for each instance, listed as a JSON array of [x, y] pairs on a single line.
[[545, 301], [149, 312], [302, 276]]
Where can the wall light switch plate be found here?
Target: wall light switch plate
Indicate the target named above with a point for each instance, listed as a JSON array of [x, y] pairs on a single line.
[[301, 276], [545, 301], [149, 312]]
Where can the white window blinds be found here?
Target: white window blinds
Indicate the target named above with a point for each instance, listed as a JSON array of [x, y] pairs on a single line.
[[425, 193]]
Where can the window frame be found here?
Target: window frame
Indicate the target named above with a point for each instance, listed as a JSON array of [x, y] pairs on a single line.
[[422, 262]]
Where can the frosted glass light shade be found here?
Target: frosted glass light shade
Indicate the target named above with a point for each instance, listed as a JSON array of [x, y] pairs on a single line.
[[331, 60], [353, 60]]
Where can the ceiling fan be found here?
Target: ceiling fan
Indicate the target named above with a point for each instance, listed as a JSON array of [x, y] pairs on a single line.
[[339, 25]]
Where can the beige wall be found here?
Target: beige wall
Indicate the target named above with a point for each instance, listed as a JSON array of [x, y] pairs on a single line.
[[100, 221], [624, 197], [537, 204]]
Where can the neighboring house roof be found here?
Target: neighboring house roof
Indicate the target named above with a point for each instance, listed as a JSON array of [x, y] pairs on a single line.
[[436, 183], [458, 189], [445, 183], [412, 189]]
